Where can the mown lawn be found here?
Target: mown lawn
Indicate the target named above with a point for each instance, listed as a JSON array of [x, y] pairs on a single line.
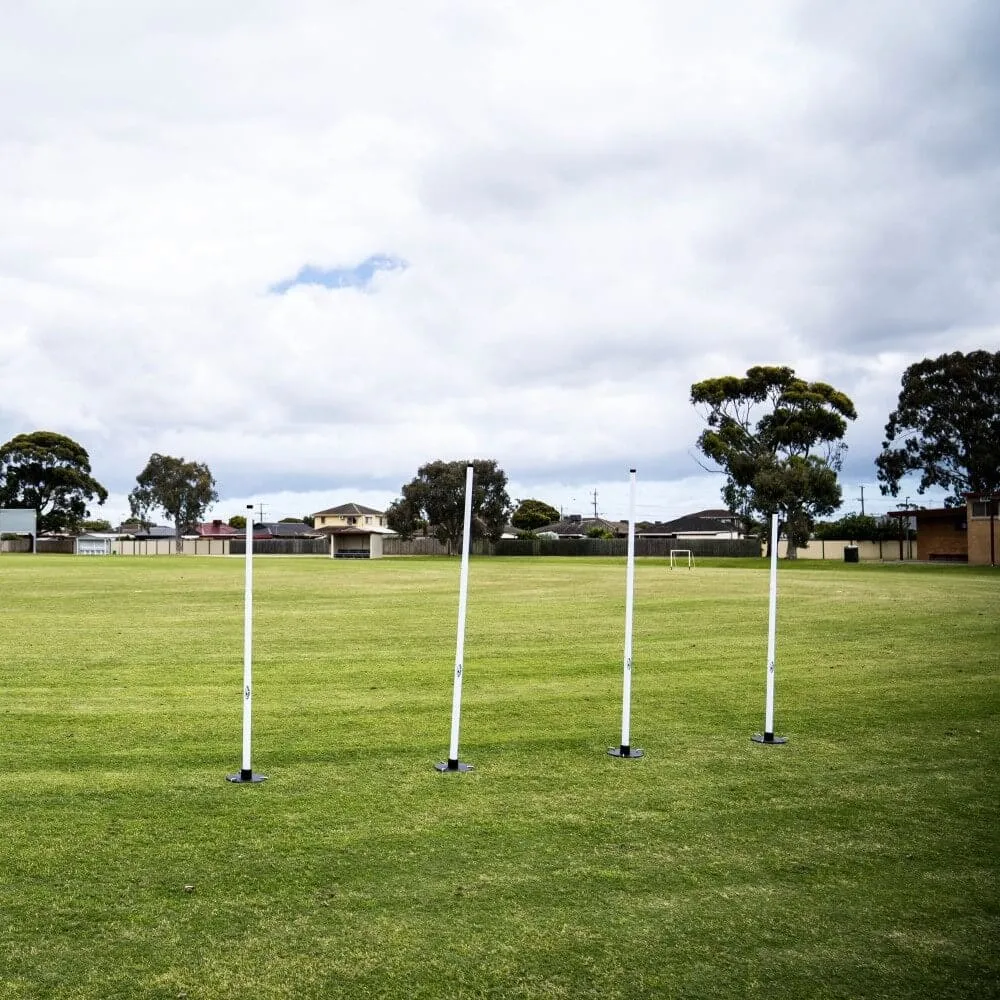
[[858, 861]]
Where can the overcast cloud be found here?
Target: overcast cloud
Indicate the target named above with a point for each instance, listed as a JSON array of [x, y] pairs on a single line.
[[549, 218]]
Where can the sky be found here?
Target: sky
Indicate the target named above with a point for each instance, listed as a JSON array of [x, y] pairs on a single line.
[[317, 244]]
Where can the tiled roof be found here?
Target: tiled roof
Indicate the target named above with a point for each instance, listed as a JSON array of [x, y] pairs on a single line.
[[687, 524], [217, 529], [283, 529], [347, 510]]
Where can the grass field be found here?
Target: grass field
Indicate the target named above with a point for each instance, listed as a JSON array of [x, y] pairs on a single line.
[[858, 861]]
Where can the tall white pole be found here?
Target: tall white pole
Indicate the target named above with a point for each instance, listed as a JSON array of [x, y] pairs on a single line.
[[246, 767], [626, 749], [463, 593], [248, 645], [772, 628]]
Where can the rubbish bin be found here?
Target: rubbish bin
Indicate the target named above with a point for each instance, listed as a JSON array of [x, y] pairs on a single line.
[[850, 553]]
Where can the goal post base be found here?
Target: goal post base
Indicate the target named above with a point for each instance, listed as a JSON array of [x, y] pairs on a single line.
[[452, 765], [246, 778], [626, 751], [768, 739]]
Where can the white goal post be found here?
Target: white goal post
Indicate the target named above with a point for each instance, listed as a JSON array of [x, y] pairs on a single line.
[[682, 552]]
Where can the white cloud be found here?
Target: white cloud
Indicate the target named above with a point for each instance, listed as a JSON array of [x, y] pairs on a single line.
[[599, 206]]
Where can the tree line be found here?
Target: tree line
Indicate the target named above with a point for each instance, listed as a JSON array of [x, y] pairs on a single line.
[[776, 438]]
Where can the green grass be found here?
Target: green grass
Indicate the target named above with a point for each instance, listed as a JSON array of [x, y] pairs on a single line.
[[858, 861]]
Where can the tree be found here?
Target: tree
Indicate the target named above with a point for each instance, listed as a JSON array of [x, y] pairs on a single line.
[[51, 474], [404, 518], [857, 528], [100, 524], [182, 490], [778, 439], [532, 514], [437, 496], [237, 521], [946, 426]]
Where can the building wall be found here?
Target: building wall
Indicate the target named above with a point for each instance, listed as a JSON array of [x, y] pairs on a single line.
[[942, 537], [354, 521], [979, 541]]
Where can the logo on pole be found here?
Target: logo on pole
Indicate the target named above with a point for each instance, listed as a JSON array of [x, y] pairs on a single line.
[[246, 693]]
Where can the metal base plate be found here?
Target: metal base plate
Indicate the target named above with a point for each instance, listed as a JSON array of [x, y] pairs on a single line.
[[768, 739], [240, 778], [627, 752], [452, 765]]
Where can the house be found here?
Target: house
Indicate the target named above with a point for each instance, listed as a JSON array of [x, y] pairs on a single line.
[[283, 529], [349, 515], [134, 529], [578, 526], [713, 523], [217, 529]]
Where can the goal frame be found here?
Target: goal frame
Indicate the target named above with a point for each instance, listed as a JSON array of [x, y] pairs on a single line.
[[686, 552]]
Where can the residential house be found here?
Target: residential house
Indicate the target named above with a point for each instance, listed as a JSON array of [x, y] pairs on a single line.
[[349, 515], [713, 523], [218, 529], [578, 526], [283, 529]]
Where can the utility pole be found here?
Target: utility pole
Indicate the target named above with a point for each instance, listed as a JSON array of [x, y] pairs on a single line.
[[594, 495], [905, 522], [260, 508], [862, 499]]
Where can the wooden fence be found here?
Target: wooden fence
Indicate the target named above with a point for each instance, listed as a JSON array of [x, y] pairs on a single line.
[[578, 547]]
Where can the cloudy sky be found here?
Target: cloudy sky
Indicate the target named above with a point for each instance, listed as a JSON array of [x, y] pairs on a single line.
[[316, 244]]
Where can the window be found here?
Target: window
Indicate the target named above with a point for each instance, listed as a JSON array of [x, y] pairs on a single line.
[[352, 520], [985, 508]]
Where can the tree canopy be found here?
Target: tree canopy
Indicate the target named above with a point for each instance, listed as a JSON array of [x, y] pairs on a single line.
[[436, 497], [778, 439], [532, 514], [182, 490], [50, 473], [946, 426], [858, 528]]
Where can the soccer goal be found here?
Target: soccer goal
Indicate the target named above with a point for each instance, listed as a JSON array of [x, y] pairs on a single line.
[[674, 553]]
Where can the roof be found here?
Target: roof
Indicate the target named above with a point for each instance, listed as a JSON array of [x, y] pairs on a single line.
[[154, 531], [931, 513], [283, 529], [347, 510], [217, 529], [354, 529], [688, 524]]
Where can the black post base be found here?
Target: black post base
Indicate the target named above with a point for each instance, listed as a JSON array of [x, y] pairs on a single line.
[[245, 777], [768, 738], [452, 765], [626, 751]]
